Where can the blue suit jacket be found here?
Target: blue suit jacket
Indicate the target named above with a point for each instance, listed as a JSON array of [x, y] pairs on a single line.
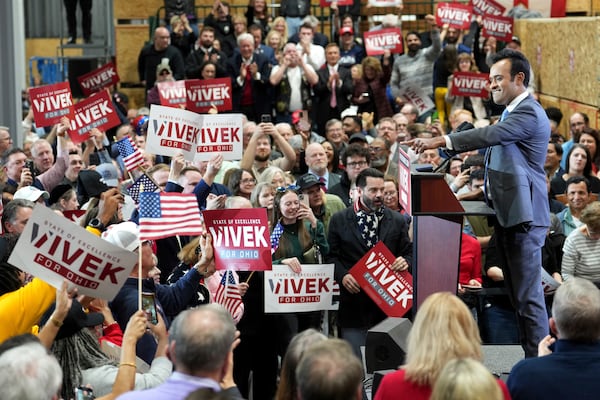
[[516, 166]]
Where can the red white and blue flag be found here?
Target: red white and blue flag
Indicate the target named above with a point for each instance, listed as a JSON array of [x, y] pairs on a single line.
[[143, 184], [132, 156], [168, 214], [228, 295]]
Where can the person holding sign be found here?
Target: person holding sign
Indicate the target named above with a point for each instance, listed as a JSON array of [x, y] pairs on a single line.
[[298, 237], [465, 63], [352, 232]]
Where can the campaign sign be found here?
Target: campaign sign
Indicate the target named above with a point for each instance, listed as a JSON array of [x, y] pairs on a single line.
[[50, 103], [172, 94], [309, 290], [327, 3], [98, 79], [202, 94], [483, 7], [470, 84], [404, 182], [385, 3], [377, 42], [240, 238], [456, 15], [417, 97], [392, 291], [197, 136], [53, 249], [96, 111], [498, 26]]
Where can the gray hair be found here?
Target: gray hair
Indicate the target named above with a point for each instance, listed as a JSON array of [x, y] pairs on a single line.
[[12, 207], [576, 310], [245, 36], [28, 372], [203, 338]]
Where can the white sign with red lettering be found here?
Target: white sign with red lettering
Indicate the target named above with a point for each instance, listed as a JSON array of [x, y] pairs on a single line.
[[456, 15], [50, 103], [377, 42], [197, 136], [54, 249], [98, 79], [470, 84], [483, 7], [172, 94], [203, 94], [416, 96], [385, 3], [309, 290], [96, 111], [498, 26]]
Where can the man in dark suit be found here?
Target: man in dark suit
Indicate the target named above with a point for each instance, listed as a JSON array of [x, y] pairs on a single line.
[[331, 102], [249, 74], [203, 53], [316, 161], [517, 187], [352, 232]]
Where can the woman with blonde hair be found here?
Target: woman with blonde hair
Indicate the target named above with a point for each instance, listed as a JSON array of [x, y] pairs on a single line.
[[466, 379], [280, 25], [465, 63], [444, 329]]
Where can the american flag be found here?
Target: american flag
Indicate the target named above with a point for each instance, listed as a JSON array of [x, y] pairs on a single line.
[[168, 214], [275, 236], [132, 156], [228, 295], [145, 183]]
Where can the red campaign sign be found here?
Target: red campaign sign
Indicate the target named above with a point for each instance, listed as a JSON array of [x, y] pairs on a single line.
[[203, 93], [96, 111], [483, 7], [391, 291], [327, 3], [377, 42], [172, 94], [74, 215], [470, 84], [98, 79], [456, 15], [497, 26], [240, 238], [50, 103]]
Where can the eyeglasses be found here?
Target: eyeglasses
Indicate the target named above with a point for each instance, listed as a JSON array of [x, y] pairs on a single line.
[[249, 181], [282, 189], [164, 73], [375, 149], [356, 164]]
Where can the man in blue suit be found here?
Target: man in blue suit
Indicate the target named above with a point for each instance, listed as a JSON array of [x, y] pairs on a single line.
[[517, 187], [249, 74]]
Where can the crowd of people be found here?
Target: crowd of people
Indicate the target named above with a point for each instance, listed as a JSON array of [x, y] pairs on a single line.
[[324, 165]]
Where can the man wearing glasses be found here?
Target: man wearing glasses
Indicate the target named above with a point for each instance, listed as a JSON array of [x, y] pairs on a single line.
[[578, 122], [356, 158]]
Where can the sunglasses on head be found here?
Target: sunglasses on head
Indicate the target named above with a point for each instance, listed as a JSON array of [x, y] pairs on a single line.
[[282, 189]]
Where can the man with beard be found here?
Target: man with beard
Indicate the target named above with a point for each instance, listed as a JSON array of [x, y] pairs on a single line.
[[356, 158], [316, 160], [352, 233], [415, 67], [380, 156], [257, 156], [203, 53]]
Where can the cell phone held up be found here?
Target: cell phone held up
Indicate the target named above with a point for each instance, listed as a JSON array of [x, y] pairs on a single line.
[[149, 307], [29, 165], [84, 393], [265, 118]]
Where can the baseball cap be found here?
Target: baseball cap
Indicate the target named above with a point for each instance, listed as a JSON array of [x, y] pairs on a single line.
[[89, 184], [346, 29], [58, 192], [516, 40], [358, 137], [76, 320], [308, 180], [109, 174], [31, 193], [126, 235]]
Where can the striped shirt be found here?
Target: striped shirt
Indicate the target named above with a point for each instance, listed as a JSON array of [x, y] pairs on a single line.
[[581, 257]]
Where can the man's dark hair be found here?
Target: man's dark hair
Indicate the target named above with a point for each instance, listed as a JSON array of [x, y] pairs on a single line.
[[478, 174], [361, 179], [306, 25], [554, 114], [9, 153], [355, 149], [207, 29], [576, 180], [475, 160], [255, 27], [518, 63], [557, 147]]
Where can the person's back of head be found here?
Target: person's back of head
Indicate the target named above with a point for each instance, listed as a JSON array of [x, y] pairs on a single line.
[[200, 340], [28, 372], [576, 311], [329, 370], [466, 379]]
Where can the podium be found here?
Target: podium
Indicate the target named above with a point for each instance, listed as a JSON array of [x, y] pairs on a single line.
[[437, 230]]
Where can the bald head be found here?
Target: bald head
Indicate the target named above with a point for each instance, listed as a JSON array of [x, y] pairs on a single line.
[[162, 37]]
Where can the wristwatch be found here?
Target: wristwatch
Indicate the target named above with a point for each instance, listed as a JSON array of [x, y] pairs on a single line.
[[96, 224]]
